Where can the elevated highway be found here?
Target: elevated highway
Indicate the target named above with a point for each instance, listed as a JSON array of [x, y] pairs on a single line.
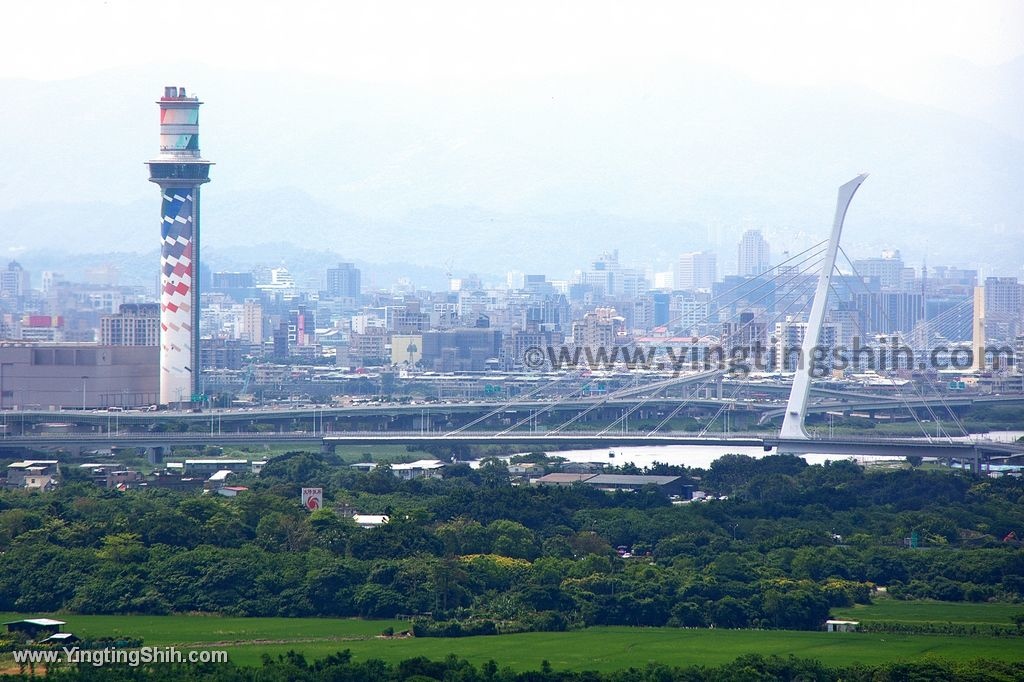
[[874, 403], [975, 452], [770, 410]]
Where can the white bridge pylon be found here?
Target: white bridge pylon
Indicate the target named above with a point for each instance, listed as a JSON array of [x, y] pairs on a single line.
[[796, 408]]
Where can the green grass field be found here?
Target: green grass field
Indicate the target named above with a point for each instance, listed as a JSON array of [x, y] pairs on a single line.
[[202, 629], [615, 648], [924, 611], [604, 648]]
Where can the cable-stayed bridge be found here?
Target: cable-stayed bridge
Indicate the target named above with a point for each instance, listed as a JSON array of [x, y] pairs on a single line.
[[529, 419]]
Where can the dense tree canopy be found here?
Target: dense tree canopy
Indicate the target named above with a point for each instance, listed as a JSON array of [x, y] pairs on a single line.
[[790, 542]]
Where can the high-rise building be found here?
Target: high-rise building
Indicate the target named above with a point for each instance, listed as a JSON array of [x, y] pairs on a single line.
[[788, 341], [887, 312], [515, 280], [744, 333], [51, 280], [136, 324], [344, 281], [238, 285], [14, 281], [608, 278], [688, 314], [888, 270], [538, 284], [252, 321], [301, 327], [601, 328], [696, 270], [1004, 308], [754, 254], [661, 301], [179, 171]]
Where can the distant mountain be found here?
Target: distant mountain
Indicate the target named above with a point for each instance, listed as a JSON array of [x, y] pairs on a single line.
[[993, 95], [536, 176], [306, 265]]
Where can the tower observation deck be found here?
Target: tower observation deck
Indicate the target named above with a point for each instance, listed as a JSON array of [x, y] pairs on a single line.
[[179, 171]]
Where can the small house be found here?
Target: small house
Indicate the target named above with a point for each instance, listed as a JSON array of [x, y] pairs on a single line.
[[35, 628], [370, 520], [421, 468], [841, 625], [33, 473], [231, 490]]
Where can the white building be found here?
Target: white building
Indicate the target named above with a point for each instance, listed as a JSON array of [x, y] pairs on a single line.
[[789, 338], [696, 271], [754, 254], [888, 270]]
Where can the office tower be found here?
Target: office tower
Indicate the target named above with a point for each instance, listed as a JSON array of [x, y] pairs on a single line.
[[344, 281], [754, 254], [696, 271], [887, 312], [608, 278], [179, 171], [888, 269], [14, 281]]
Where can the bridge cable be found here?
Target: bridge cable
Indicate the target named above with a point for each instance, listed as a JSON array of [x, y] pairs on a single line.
[[952, 414], [716, 373], [522, 398], [799, 275], [754, 320], [913, 385], [710, 375]]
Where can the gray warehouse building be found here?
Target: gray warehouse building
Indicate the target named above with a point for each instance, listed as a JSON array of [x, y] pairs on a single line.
[[73, 376]]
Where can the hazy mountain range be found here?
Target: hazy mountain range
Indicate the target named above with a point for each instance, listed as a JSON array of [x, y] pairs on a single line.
[[539, 176]]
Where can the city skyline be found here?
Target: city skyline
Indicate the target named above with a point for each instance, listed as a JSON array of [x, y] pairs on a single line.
[[644, 282]]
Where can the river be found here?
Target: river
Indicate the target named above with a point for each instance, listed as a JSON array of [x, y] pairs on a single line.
[[702, 456]]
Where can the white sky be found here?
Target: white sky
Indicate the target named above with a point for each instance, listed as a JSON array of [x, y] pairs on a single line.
[[425, 43]]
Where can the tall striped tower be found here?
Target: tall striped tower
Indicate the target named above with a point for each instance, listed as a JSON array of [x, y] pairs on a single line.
[[179, 170]]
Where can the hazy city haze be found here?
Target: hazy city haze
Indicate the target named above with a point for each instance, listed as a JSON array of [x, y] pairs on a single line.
[[408, 132]]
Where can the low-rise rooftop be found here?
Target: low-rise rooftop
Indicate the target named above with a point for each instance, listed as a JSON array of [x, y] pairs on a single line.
[[631, 479]]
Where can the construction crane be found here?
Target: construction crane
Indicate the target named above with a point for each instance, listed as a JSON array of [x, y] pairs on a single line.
[[243, 395]]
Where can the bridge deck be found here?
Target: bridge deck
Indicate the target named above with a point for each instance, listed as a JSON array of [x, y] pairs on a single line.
[[837, 445]]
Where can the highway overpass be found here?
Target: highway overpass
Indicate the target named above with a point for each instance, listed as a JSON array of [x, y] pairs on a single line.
[[975, 452]]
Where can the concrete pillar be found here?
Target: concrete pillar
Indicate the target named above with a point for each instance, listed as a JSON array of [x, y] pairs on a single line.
[[155, 453]]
